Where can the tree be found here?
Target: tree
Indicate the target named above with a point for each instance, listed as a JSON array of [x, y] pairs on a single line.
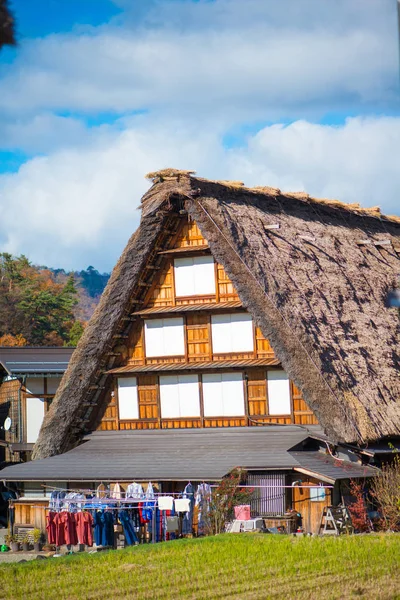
[[224, 498], [358, 508], [385, 489], [12, 340], [75, 334]]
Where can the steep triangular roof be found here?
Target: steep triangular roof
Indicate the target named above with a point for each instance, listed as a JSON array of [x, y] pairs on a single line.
[[313, 273]]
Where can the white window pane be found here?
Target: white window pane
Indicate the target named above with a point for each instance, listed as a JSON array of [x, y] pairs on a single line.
[[34, 418], [212, 395], [232, 333], [204, 275], [194, 276], [174, 339], [232, 395], [242, 332], [128, 398], [189, 398], [169, 396], [164, 337], [278, 393], [154, 337], [221, 333], [184, 277], [179, 396]]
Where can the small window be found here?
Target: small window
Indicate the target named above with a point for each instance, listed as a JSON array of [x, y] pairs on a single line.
[[164, 337], [232, 333], [223, 395], [317, 494], [194, 276], [179, 396], [34, 418], [278, 392], [128, 398]]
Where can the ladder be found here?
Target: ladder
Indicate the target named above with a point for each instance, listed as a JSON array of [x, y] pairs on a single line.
[[335, 520]]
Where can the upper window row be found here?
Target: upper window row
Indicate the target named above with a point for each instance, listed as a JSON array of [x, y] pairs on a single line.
[[194, 276], [230, 333]]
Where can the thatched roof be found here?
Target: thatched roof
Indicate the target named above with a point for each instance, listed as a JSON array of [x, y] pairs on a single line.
[[7, 34], [313, 273]]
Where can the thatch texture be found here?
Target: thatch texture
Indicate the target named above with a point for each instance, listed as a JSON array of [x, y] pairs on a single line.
[[318, 296], [7, 33]]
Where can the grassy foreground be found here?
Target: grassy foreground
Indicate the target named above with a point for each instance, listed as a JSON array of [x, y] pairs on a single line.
[[241, 566]]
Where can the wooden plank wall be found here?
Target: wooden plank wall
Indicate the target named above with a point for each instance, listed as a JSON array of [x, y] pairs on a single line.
[[310, 511], [31, 514], [256, 400], [9, 399]]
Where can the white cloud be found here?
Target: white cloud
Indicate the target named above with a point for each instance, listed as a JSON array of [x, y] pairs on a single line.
[[78, 206], [227, 58]]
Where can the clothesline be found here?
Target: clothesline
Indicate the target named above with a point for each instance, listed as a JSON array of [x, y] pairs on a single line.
[[121, 492]]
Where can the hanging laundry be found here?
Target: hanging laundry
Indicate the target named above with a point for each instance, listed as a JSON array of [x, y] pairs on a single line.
[[102, 491], [187, 522], [51, 527], [84, 525], [182, 505], [165, 502], [59, 530], [149, 495], [135, 491], [115, 491], [202, 502], [107, 536], [127, 525], [56, 500], [67, 521]]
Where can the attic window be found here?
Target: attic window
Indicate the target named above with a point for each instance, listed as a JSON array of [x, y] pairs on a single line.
[[164, 337], [194, 276], [232, 333]]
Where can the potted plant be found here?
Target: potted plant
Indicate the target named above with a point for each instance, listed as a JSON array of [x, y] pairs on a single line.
[[12, 541], [37, 540], [25, 543]]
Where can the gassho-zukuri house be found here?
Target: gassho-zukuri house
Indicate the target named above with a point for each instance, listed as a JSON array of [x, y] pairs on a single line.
[[240, 327]]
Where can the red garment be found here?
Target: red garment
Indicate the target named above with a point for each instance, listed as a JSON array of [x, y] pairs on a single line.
[[84, 528], [51, 527], [59, 530], [68, 526]]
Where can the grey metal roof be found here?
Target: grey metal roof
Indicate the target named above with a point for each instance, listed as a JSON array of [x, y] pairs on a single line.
[[162, 455], [329, 467], [34, 360]]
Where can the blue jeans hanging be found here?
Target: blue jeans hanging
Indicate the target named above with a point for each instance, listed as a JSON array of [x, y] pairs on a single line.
[[127, 525]]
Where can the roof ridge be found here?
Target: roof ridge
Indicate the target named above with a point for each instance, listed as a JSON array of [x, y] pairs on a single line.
[[171, 174]]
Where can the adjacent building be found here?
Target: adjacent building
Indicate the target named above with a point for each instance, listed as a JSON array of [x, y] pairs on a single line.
[[29, 378]]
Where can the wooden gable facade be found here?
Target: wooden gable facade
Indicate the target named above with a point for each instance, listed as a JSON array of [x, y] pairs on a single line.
[[177, 342]]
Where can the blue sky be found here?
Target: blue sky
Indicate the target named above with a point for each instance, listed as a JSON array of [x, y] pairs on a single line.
[[298, 94]]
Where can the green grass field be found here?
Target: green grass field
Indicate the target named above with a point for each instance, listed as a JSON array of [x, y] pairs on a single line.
[[241, 566]]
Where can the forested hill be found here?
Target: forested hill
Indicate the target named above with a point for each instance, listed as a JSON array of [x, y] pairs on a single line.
[[45, 307]]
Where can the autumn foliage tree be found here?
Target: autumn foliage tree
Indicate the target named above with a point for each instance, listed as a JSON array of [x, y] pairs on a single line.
[[358, 508], [33, 306]]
